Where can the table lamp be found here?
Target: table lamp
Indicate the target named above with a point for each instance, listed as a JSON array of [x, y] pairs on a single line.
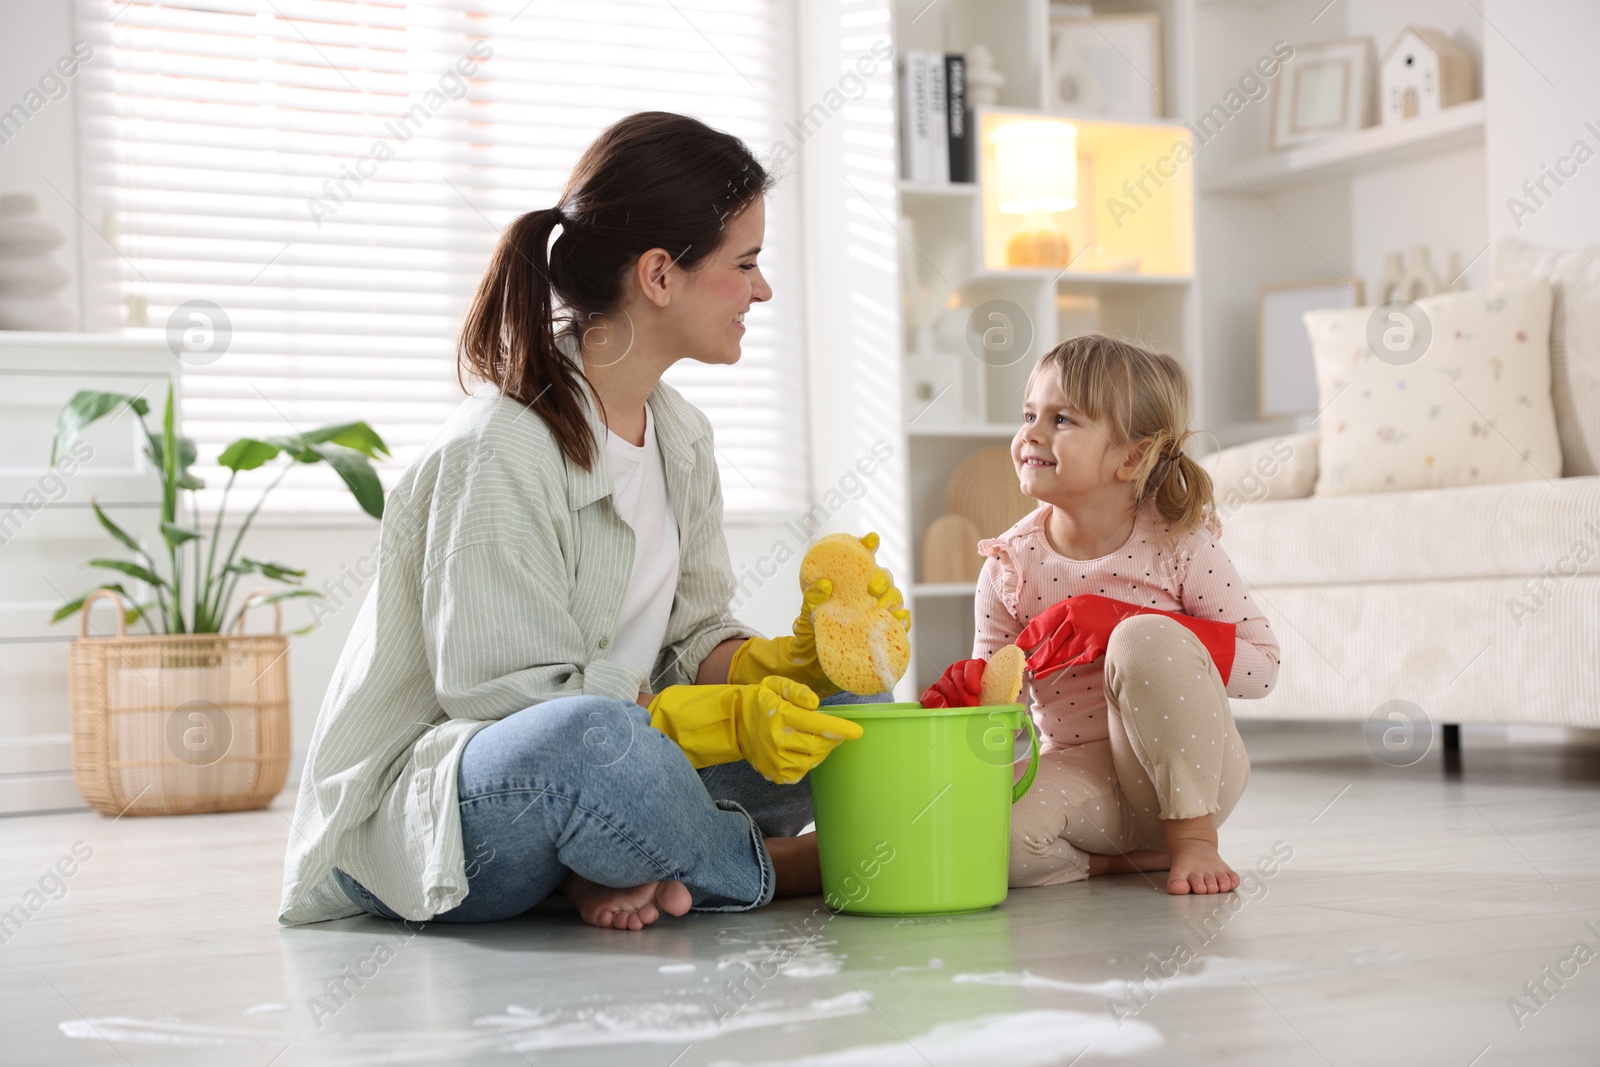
[[1036, 175]]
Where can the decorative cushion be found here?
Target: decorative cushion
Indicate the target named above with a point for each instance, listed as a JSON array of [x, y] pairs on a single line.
[[1473, 409], [1273, 468], [1574, 276]]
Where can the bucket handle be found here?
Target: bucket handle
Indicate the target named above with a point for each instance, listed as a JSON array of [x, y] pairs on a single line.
[[1021, 788]]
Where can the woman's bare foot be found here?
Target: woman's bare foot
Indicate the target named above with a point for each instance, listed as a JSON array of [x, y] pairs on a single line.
[[796, 865], [1128, 862], [1196, 867], [625, 909]]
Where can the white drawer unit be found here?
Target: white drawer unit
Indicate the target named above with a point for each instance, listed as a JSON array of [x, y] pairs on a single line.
[[48, 533]]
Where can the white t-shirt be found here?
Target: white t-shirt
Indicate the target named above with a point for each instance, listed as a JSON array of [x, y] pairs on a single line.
[[639, 490]]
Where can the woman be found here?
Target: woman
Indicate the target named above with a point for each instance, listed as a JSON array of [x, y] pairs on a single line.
[[545, 689]]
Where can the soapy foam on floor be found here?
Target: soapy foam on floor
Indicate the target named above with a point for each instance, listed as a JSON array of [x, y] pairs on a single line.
[[1211, 972], [660, 1022], [1017, 1039], [792, 957], [934, 964], [676, 968]]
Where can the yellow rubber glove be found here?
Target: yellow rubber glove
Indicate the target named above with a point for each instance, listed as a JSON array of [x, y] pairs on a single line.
[[796, 657], [774, 726]]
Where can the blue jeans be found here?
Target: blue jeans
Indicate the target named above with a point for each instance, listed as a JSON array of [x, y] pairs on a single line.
[[585, 784]]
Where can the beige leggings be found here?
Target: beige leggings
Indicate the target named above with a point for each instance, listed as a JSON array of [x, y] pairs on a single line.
[[1173, 753]]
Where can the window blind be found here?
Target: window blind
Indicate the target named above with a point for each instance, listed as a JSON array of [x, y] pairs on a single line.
[[333, 174]]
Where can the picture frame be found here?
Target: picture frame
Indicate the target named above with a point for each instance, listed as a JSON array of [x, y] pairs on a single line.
[[1325, 91], [1286, 375], [1105, 64]]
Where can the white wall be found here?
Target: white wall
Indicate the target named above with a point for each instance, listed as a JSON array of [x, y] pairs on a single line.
[[44, 152], [1542, 87], [1321, 229]]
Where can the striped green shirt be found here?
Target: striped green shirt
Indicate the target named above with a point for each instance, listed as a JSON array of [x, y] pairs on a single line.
[[501, 571]]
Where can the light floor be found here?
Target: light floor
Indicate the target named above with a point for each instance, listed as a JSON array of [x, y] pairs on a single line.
[[1413, 907]]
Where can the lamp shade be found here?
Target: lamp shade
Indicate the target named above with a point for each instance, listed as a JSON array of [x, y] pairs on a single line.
[[1036, 166]]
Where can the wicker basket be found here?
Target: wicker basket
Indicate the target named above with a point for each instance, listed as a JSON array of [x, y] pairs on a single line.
[[175, 725]]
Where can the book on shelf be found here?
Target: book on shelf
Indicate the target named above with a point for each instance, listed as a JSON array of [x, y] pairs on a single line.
[[935, 142], [958, 119]]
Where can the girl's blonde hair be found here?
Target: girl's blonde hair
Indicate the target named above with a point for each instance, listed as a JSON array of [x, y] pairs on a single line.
[[1133, 394]]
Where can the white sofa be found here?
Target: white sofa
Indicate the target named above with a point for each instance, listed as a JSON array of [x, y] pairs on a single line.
[[1479, 604]]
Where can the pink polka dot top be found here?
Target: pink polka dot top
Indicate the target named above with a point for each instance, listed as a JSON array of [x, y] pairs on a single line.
[[1023, 575]]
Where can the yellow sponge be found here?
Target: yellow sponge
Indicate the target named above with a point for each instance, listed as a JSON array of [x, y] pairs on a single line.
[[861, 647], [1002, 677]]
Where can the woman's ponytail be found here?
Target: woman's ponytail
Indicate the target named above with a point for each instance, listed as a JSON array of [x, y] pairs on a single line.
[[651, 180], [509, 337]]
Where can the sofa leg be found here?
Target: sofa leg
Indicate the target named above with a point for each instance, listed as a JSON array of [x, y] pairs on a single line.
[[1452, 749]]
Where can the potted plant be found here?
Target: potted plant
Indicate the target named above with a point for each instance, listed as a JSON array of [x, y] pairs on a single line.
[[188, 717]]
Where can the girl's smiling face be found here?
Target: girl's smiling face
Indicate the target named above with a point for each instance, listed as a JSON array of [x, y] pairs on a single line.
[[1058, 453]]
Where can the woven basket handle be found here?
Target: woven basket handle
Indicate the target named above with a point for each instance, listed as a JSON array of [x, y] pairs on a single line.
[[277, 612], [83, 613]]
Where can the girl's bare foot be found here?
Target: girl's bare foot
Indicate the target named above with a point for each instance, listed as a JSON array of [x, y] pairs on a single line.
[[625, 909], [1197, 867], [795, 863], [1128, 862]]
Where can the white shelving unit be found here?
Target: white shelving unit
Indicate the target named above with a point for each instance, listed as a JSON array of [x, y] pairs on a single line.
[[1337, 157], [890, 235], [1257, 217]]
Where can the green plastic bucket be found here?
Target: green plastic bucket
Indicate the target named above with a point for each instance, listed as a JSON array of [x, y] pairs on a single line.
[[914, 817]]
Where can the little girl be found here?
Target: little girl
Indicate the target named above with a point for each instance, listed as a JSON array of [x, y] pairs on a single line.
[[1140, 628]]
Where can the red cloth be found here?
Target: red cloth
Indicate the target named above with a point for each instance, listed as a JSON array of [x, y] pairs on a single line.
[[1078, 629], [958, 687]]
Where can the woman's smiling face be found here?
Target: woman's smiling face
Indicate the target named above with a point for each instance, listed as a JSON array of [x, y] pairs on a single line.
[[1058, 453], [721, 288]]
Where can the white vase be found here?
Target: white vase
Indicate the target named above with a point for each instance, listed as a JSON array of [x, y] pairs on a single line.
[[29, 277]]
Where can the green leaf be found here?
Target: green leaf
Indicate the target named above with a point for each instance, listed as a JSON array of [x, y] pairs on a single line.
[[72, 607], [137, 612], [357, 436], [169, 467], [176, 535], [285, 594], [358, 474], [188, 452], [85, 407], [144, 574], [247, 453], [276, 571], [273, 598], [116, 531], [296, 447]]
